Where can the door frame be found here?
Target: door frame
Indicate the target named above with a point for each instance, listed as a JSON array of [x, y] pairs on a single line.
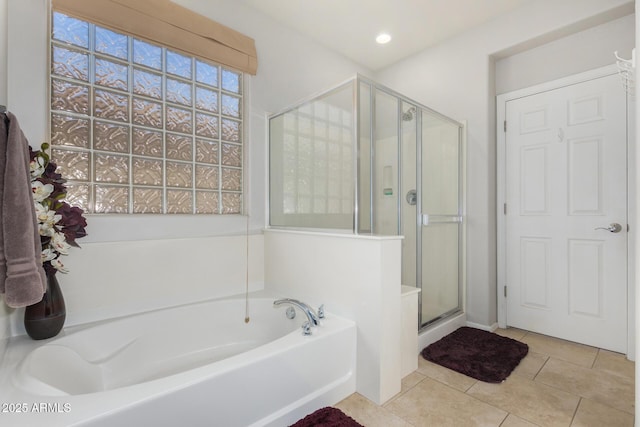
[[501, 108]]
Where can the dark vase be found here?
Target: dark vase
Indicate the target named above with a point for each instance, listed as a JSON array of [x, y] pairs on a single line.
[[45, 319]]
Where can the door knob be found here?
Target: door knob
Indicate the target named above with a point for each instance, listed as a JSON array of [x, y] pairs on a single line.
[[614, 227]]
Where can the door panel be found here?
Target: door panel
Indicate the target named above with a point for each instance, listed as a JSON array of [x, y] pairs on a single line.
[[566, 181], [535, 253], [585, 260]]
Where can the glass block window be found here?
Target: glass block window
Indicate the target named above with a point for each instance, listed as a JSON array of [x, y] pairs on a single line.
[[139, 128]]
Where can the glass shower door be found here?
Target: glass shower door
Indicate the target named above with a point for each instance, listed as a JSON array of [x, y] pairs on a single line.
[[440, 218]]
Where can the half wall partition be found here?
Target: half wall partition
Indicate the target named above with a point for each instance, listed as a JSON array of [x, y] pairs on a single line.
[[364, 159]]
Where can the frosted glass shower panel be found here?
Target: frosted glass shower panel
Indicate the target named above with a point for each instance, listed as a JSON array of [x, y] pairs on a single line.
[[440, 166], [311, 163], [440, 270], [441, 226], [385, 161], [409, 184], [365, 129]]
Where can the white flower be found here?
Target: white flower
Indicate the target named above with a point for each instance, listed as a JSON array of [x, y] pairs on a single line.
[[44, 215], [40, 210], [46, 229], [47, 255], [36, 167], [58, 265], [59, 243], [41, 191]]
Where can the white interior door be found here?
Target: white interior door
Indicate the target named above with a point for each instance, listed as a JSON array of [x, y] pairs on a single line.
[[566, 213]]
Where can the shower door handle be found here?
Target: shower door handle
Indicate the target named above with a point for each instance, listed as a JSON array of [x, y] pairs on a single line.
[[426, 219]]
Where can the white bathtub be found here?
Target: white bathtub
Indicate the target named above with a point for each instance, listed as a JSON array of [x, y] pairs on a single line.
[[193, 365]]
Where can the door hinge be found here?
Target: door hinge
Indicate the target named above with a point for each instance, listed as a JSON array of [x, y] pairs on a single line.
[[505, 125], [505, 291], [504, 208]]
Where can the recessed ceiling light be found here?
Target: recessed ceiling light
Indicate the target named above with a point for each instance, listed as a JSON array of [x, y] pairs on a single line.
[[383, 38]]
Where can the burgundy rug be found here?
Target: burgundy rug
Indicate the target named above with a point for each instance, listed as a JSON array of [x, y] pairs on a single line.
[[327, 417], [479, 354]]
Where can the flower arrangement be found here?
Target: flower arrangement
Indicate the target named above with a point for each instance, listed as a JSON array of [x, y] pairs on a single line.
[[59, 224]]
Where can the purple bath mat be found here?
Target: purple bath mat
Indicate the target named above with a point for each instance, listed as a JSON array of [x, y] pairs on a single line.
[[327, 417], [478, 354]]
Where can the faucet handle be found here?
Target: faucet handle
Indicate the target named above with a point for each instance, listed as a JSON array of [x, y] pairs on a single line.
[[306, 328], [321, 312]]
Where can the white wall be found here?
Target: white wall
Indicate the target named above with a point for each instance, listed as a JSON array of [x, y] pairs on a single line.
[[132, 263], [113, 279], [586, 50], [357, 277], [457, 79]]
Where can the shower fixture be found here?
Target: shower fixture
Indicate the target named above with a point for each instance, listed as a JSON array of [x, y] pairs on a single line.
[[407, 116], [412, 197]]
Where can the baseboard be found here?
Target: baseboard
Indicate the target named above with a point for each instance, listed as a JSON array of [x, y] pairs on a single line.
[[441, 329], [491, 328]]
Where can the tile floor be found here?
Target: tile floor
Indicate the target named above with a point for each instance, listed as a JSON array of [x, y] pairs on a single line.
[[559, 383]]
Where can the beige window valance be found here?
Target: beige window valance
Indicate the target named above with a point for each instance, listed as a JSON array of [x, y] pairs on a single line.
[[171, 25]]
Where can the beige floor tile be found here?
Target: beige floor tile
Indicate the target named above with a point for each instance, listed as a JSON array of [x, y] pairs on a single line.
[[578, 354], [594, 414], [408, 382], [431, 403], [445, 375], [411, 380], [606, 388], [513, 333], [530, 400], [614, 363], [368, 413], [531, 365], [557, 383], [513, 421]]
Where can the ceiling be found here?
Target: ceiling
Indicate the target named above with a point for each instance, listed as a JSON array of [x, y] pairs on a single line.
[[351, 26]]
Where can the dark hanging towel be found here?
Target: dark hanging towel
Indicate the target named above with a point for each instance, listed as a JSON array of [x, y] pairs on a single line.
[[22, 278]]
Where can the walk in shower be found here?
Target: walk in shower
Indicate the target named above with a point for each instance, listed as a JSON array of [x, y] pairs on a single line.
[[364, 159]]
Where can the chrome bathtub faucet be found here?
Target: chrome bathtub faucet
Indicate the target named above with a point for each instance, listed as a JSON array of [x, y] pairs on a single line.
[[313, 319]]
